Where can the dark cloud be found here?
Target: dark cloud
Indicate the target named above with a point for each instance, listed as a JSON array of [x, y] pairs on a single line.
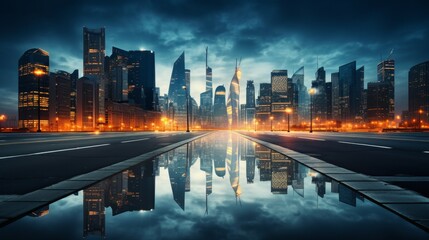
[[278, 33]]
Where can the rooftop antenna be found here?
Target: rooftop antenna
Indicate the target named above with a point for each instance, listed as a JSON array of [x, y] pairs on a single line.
[[207, 52], [239, 63], [317, 62], [236, 63], [390, 54]]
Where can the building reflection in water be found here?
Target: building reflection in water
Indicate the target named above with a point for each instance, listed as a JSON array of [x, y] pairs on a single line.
[[134, 189]]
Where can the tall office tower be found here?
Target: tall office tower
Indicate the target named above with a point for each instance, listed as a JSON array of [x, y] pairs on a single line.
[[94, 52], [280, 99], [118, 75], [87, 103], [206, 98], [350, 92], [141, 79], [250, 103], [263, 110], [303, 98], [418, 92], [233, 101], [73, 78], [188, 79], [33, 89], [335, 96], [378, 101], [94, 215], [220, 118], [328, 88], [357, 94], [59, 101], [386, 74], [176, 93], [319, 99]]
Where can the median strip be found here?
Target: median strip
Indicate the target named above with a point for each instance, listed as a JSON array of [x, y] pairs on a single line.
[[135, 140], [54, 151], [366, 145]]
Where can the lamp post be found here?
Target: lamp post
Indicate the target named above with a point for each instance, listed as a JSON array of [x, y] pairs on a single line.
[[38, 73], [288, 111], [312, 92], [187, 108], [2, 118], [420, 118], [56, 123], [271, 122]]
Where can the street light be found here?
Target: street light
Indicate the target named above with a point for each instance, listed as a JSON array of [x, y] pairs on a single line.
[[288, 111], [420, 117], [39, 73], [187, 108], [56, 122], [2, 118], [271, 121], [312, 92]]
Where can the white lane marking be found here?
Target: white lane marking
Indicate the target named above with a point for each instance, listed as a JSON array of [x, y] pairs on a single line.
[[426, 152], [317, 139], [161, 136], [366, 145], [135, 140], [55, 151]]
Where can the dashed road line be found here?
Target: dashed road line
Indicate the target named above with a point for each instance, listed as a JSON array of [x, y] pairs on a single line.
[[54, 151], [135, 140], [316, 139], [366, 145]]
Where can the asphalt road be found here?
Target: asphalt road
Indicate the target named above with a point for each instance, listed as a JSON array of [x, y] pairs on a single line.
[[400, 158], [30, 161]]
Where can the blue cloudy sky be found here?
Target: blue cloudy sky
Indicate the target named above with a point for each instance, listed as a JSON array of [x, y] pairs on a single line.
[[266, 34]]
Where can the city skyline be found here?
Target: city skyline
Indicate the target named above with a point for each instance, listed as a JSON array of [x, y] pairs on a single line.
[[266, 41]]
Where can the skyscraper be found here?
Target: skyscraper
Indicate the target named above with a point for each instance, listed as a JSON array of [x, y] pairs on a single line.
[[141, 79], [206, 98], [319, 99], [59, 101], [303, 98], [350, 92], [94, 51], [176, 93], [386, 74], [328, 88], [33, 89], [378, 101], [73, 78], [335, 96], [87, 103], [263, 110], [280, 98], [250, 102], [233, 101], [220, 118], [418, 92], [118, 75]]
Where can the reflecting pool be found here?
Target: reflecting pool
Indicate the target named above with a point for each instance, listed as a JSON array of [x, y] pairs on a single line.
[[218, 187]]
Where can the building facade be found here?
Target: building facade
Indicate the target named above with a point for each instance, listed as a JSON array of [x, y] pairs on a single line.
[[33, 89], [233, 101], [418, 92]]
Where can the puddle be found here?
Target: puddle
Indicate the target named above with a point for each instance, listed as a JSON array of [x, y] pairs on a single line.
[[218, 187]]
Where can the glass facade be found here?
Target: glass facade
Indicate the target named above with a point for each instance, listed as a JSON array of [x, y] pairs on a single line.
[[233, 102], [33, 90]]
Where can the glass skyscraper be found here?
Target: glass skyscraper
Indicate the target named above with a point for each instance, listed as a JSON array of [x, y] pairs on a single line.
[[94, 52], [418, 92], [176, 93], [33, 89], [386, 74], [220, 118], [233, 102]]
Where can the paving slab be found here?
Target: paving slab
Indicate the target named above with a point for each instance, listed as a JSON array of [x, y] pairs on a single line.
[[412, 211], [328, 170], [340, 177], [371, 186], [70, 185], [93, 176], [395, 197], [12, 210], [42, 196]]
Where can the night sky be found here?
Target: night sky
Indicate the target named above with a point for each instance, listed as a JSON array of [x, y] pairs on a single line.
[[266, 34]]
